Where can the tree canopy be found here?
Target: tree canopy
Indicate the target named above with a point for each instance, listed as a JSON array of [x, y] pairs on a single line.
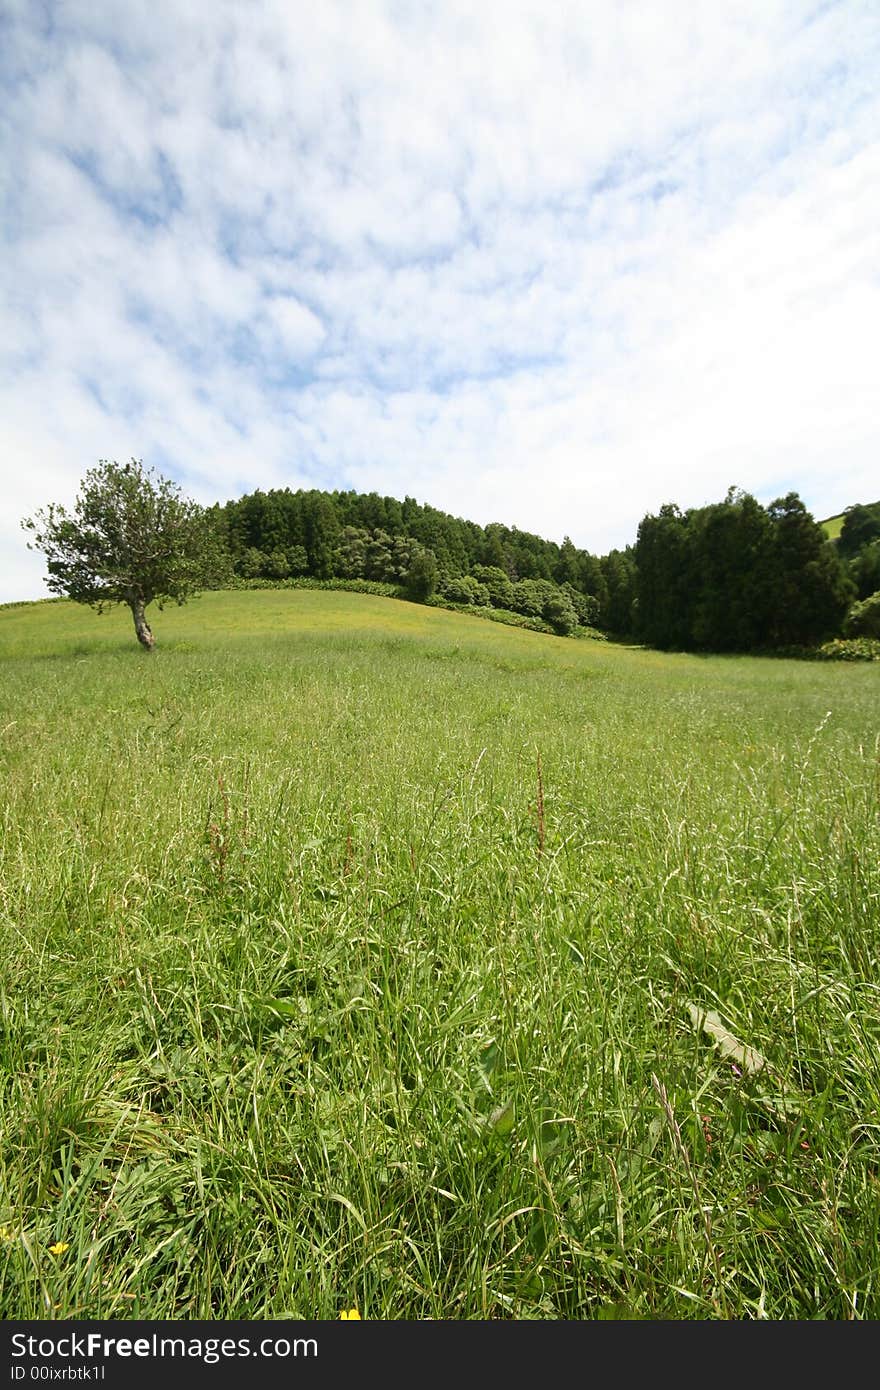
[[736, 576], [131, 538]]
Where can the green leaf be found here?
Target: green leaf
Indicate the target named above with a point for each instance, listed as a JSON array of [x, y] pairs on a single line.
[[286, 1008]]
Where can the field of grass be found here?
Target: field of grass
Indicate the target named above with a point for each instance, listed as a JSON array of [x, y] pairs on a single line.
[[363, 954], [832, 526]]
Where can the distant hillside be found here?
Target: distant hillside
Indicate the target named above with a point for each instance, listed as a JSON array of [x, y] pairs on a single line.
[[715, 578], [832, 524]]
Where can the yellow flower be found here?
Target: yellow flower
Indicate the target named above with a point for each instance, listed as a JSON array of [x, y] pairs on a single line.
[[59, 1247], [350, 1315], [7, 1233]]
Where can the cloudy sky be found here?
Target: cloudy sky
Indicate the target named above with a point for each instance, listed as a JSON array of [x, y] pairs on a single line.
[[551, 264]]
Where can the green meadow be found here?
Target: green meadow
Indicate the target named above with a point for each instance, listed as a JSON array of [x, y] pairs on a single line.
[[361, 954], [833, 526]]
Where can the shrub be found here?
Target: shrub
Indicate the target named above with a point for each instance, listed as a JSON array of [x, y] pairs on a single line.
[[849, 649], [461, 588], [560, 614], [498, 584], [863, 619]]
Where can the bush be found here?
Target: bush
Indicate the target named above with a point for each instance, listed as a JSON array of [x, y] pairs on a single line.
[[849, 649], [530, 596], [863, 619], [298, 560], [462, 589], [498, 584], [252, 563], [353, 586], [560, 614], [495, 615], [586, 606], [277, 564]]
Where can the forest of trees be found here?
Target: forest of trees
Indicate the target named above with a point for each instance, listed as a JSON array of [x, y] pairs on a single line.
[[733, 576], [349, 535], [737, 576]]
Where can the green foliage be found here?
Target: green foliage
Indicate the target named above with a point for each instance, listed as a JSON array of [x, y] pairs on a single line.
[[734, 580], [865, 570], [737, 577], [811, 591], [277, 565], [733, 576], [379, 559], [586, 606], [421, 577], [861, 527], [353, 586], [558, 612], [863, 619], [298, 560], [354, 535], [617, 591], [350, 555], [497, 584], [667, 586], [569, 568], [495, 615], [531, 596], [252, 563], [849, 649], [132, 538], [463, 589]]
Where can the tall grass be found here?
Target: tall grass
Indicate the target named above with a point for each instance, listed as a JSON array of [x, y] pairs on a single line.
[[355, 952]]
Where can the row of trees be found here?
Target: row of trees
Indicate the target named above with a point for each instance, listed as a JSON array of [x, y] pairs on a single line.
[[737, 576], [349, 535], [734, 576]]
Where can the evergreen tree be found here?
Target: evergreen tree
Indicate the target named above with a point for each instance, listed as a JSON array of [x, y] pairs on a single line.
[[811, 590], [321, 528], [617, 612], [421, 577], [732, 575], [568, 566], [665, 585]]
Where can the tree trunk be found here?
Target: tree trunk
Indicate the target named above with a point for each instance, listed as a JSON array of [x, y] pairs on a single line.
[[141, 626]]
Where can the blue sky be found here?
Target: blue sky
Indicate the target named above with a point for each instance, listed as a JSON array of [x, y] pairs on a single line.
[[546, 265]]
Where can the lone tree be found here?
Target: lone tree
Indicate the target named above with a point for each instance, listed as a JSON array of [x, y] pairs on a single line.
[[132, 538]]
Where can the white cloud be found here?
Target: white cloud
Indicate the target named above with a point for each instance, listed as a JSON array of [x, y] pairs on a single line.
[[546, 265]]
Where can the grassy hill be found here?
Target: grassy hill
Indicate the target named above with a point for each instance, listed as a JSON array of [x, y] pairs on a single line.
[[832, 524], [359, 954]]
